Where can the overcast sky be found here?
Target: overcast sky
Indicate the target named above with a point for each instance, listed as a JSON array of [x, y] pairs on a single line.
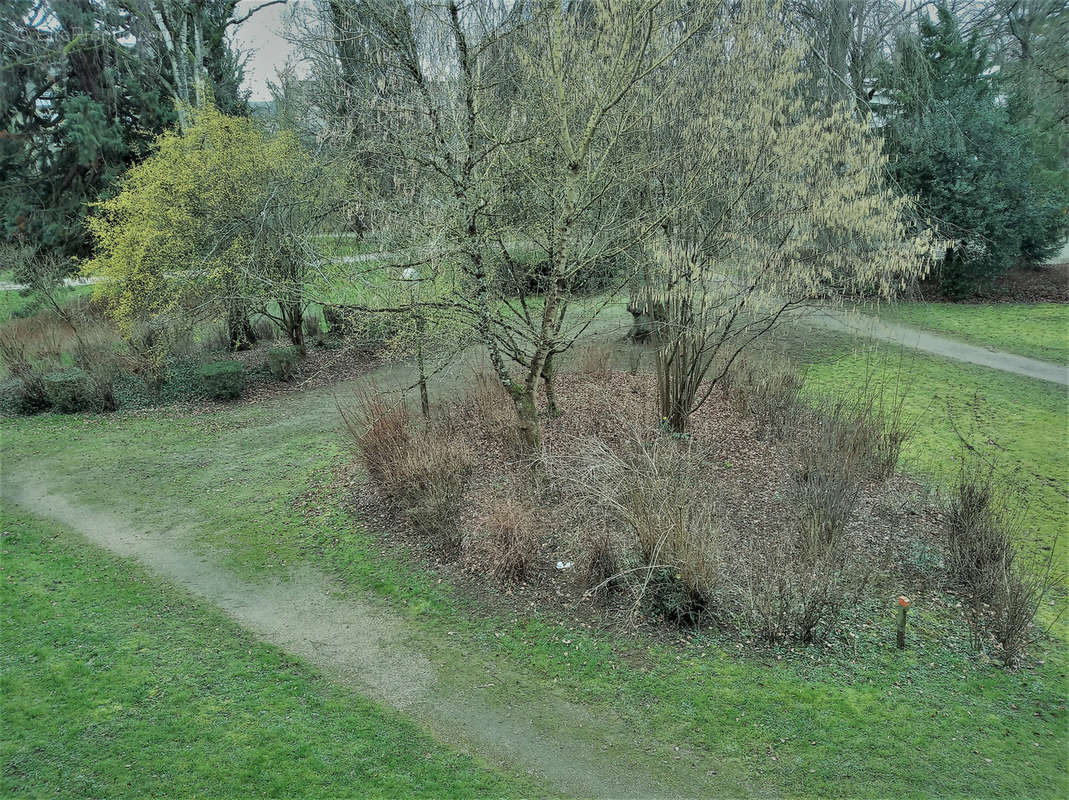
[[261, 37]]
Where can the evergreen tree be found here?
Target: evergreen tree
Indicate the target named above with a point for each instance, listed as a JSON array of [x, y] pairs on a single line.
[[954, 144], [84, 90]]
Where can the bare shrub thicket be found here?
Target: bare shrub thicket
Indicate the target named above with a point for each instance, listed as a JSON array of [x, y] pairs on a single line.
[[653, 495], [659, 530], [419, 469], [768, 390], [834, 460], [53, 340], [487, 402], [786, 589], [15, 357], [596, 360], [94, 354], [1002, 592], [505, 542], [869, 425]]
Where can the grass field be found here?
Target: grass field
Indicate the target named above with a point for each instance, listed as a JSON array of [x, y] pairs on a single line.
[[1036, 330], [854, 719], [16, 303], [115, 685]]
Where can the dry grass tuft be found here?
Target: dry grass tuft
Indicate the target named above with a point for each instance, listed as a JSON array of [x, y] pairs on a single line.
[[1002, 595], [505, 542]]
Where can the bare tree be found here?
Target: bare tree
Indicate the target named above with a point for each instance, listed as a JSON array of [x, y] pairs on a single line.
[[501, 127], [184, 32], [847, 40], [767, 210]]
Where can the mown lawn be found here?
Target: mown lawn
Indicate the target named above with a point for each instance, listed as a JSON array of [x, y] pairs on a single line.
[[1036, 330], [19, 303], [1018, 424], [857, 718], [115, 685]]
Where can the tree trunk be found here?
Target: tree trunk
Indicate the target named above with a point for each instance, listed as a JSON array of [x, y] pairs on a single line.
[[295, 329], [840, 32], [549, 382], [424, 400], [527, 415], [239, 329]]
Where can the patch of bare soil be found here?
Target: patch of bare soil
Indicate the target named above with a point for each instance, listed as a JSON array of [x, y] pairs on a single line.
[[749, 475], [1048, 283]]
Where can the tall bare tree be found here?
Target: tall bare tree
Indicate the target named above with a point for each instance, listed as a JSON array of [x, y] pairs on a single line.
[[767, 210], [502, 125]]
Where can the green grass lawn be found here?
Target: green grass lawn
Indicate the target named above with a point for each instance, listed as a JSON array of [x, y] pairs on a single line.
[[115, 685], [1019, 424], [852, 719], [17, 304], [1036, 330]]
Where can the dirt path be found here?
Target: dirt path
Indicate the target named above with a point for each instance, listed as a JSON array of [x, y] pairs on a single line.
[[358, 643], [867, 326]]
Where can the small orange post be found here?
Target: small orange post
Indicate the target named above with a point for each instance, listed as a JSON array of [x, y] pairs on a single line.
[[903, 606]]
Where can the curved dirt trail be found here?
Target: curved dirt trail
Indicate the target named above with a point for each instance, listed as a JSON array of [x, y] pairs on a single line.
[[867, 326], [369, 649]]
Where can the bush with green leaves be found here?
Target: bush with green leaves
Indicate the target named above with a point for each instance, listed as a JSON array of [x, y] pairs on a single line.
[[215, 223], [282, 361], [222, 380]]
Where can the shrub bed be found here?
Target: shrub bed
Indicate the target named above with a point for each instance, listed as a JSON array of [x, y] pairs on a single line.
[[222, 380], [775, 520], [282, 361]]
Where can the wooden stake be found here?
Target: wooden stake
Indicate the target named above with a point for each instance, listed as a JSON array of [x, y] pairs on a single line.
[[903, 606]]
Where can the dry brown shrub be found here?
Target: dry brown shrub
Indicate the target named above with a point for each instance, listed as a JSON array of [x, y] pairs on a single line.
[[653, 495], [44, 336], [601, 559], [15, 357], [49, 341], [978, 540], [93, 354], [488, 405], [782, 590], [379, 430], [655, 513], [768, 390], [419, 469], [833, 464], [505, 542], [1002, 593]]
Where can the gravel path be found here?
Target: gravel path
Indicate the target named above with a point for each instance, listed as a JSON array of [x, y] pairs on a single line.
[[868, 326]]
